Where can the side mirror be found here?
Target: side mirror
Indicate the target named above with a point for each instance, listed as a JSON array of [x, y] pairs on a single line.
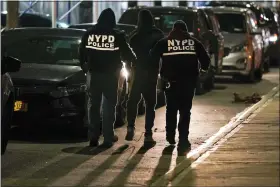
[[11, 64], [226, 51]]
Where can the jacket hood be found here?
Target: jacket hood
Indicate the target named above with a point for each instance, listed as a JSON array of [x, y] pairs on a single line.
[[145, 20], [107, 19], [180, 30]]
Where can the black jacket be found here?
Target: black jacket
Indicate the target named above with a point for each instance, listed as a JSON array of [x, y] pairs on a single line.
[[182, 56], [143, 39], [103, 47]]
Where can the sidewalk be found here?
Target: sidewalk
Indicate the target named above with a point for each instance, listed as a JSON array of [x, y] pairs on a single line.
[[250, 157]]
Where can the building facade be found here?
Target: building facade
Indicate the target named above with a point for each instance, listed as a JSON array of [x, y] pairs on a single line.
[[73, 12]]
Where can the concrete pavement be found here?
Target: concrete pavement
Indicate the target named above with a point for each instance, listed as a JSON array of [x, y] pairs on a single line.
[[247, 157], [59, 158]]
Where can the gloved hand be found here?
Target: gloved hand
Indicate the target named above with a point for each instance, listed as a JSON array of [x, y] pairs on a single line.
[[203, 73], [85, 67]]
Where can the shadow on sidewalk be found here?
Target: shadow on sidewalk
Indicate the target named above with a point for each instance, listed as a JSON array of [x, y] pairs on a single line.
[[163, 164], [189, 178], [121, 178]]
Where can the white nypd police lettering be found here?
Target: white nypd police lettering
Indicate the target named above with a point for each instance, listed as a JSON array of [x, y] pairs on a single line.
[[102, 42], [180, 47]]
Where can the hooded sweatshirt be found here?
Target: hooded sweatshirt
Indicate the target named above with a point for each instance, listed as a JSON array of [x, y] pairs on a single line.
[[182, 55], [103, 46], [143, 40]]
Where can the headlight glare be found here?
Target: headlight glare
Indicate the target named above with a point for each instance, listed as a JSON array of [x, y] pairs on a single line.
[[239, 48], [66, 91]]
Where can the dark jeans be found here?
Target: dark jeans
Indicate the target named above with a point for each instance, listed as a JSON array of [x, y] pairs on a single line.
[[179, 97], [104, 87], [146, 84]]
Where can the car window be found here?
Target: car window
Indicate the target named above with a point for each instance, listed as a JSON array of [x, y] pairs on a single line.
[[231, 22], [129, 17], [28, 20], [163, 20], [46, 50], [166, 21], [203, 23]]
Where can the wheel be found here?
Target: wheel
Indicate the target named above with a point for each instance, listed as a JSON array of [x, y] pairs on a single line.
[[199, 87], [259, 72], [251, 76], [121, 108], [210, 83], [6, 124]]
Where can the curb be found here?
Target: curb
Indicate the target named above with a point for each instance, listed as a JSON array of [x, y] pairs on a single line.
[[196, 153]]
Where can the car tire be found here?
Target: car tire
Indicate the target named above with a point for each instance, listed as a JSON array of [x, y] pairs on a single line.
[[121, 108], [210, 83], [199, 87], [259, 72], [251, 76], [6, 124]]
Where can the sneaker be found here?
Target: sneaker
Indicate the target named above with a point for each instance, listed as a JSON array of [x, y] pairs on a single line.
[[130, 133], [171, 140], [184, 148], [107, 144], [149, 140], [93, 143], [115, 138]]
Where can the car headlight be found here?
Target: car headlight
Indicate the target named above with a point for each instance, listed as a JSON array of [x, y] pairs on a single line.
[[66, 91], [239, 48], [273, 38]]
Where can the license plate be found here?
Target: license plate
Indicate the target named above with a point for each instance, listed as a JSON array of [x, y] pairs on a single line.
[[20, 106]]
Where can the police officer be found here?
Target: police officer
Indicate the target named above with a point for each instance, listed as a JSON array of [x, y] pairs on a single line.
[[145, 74], [101, 50], [182, 59]]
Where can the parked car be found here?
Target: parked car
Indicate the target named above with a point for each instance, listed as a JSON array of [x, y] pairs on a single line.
[[261, 22], [125, 27], [218, 46], [273, 22], [198, 26], [32, 20], [8, 93], [51, 83], [243, 40]]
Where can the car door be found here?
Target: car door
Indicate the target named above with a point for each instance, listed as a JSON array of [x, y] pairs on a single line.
[[207, 37], [215, 27], [256, 39]]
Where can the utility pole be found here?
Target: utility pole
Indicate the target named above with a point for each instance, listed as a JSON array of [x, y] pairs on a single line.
[[12, 15]]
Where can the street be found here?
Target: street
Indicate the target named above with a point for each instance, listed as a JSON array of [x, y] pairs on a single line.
[[59, 157]]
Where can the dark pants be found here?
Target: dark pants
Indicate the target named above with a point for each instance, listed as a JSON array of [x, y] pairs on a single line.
[[102, 87], [146, 84], [179, 97]]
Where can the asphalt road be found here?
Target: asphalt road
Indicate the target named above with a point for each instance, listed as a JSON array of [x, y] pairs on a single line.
[[59, 156]]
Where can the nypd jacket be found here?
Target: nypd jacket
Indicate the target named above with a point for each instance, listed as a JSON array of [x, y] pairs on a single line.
[[103, 47], [182, 56]]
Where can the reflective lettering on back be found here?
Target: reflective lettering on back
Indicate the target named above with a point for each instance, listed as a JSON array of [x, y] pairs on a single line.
[[180, 47], [101, 42]]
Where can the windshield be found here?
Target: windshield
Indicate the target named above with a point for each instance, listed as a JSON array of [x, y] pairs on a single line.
[[163, 20], [46, 50], [232, 23]]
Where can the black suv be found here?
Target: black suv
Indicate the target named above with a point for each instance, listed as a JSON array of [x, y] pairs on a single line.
[[198, 25]]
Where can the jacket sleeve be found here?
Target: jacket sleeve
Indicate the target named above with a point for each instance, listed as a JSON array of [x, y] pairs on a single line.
[[203, 56], [158, 49], [82, 54], [127, 53]]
